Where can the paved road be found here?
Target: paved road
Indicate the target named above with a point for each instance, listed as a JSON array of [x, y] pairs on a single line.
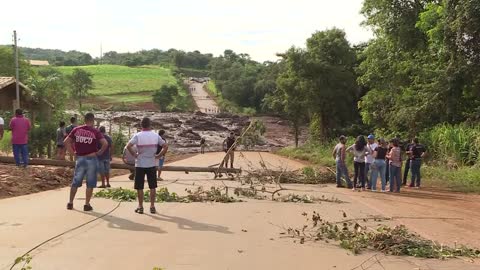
[[204, 103], [211, 235]]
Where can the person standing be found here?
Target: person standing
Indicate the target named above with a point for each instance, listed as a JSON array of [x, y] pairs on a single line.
[[20, 127], [395, 158], [2, 123], [83, 141], [229, 148], [407, 163], [339, 154], [359, 150], [417, 152], [146, 142], [161, 160], [371, 145], [202, 145], [61, 135], [379, 165], [105, 158], [73, 124]]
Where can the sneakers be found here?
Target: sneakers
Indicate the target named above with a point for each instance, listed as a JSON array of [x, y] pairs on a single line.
[[69, 206], [87, 208]]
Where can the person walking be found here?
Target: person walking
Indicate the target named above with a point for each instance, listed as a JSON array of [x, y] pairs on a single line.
[[371, 145], [2, 123], [417, 153], [359, 150], [146, 141], [85, 140], [61, 135], [229, 148], [395, 158], [407, 163], [379, 165], [161, 160], [20, 126], [202, 145], [339, 154], [105, 158]]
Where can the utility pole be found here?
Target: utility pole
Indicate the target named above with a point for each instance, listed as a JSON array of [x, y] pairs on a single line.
[[17, 76]]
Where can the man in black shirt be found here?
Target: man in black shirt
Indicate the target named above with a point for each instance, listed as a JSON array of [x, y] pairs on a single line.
[[229, 148], [416, 153]]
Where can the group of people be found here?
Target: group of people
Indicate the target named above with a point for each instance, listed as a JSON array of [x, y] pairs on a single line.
[[377, 158], [91, 148]]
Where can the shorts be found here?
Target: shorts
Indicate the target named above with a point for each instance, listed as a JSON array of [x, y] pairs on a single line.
[[160, 162], [104, 167], [85, 167], [151, 174]]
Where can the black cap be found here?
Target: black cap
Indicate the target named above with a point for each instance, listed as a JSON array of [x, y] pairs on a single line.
[[18, 112]]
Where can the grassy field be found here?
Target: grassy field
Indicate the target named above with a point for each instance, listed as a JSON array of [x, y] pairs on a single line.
[[127, 88], [111, 79], [462, 178]]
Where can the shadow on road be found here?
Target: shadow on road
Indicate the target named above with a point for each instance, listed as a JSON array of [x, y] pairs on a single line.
[[124, 224], [187, 224]]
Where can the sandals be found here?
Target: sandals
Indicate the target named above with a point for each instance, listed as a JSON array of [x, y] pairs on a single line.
[[102, 186], [108, 186], [87, 208], [139, 210], [153, 210], [69, 206]]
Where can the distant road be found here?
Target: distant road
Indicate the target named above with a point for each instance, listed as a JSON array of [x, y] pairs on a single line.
[[204, 103]]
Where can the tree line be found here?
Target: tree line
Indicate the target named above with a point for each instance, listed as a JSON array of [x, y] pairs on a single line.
[[421, 69]]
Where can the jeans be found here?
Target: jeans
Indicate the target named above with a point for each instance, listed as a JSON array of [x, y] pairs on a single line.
[[387, 171], [405, 172], [104, 166], [20, 152], [342, 171], [379, 167], [395, 178], [415, 165], [359, 173], [85, 167], [367, 171]]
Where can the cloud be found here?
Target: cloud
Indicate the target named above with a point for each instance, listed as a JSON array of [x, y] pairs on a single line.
[[260, 28]]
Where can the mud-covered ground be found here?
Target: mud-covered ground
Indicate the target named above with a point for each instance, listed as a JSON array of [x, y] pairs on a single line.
[[184, 130]]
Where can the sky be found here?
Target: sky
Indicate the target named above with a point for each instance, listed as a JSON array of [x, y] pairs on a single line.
[[260, 28]]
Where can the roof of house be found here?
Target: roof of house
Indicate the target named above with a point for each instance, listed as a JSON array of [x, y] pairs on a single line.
[[6, 81], [38, 62]]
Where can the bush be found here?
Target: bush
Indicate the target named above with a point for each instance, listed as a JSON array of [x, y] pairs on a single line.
[[42, 138], [119, 141], [6, 143]]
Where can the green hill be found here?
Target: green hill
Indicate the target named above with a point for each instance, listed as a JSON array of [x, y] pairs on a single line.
[[129, 86]]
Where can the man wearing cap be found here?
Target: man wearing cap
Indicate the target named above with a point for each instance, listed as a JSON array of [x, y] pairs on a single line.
[[371, 145], [20, 127], [339, 153]]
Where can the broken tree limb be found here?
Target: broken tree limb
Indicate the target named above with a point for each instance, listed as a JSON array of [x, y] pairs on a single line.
[[65, 163]]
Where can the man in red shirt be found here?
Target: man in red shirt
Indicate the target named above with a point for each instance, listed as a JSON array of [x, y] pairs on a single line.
[[20, 127], [86, 139]]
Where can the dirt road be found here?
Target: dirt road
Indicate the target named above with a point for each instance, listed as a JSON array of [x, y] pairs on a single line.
[[244, 235], [205, 104]]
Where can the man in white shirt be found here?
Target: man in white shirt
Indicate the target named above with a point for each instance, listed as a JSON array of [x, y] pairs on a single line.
[[371, 145], [146, 143], [2, 123]]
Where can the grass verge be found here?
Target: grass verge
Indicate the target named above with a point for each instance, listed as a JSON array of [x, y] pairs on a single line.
[[227, 105]]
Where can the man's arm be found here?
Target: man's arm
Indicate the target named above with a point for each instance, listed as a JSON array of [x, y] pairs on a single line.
[[334, 153], [131, 150], [68, 145], [163, 152], [104, 143]]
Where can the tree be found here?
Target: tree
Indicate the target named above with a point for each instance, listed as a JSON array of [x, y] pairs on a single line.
[[81, 83], [165, 96]]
